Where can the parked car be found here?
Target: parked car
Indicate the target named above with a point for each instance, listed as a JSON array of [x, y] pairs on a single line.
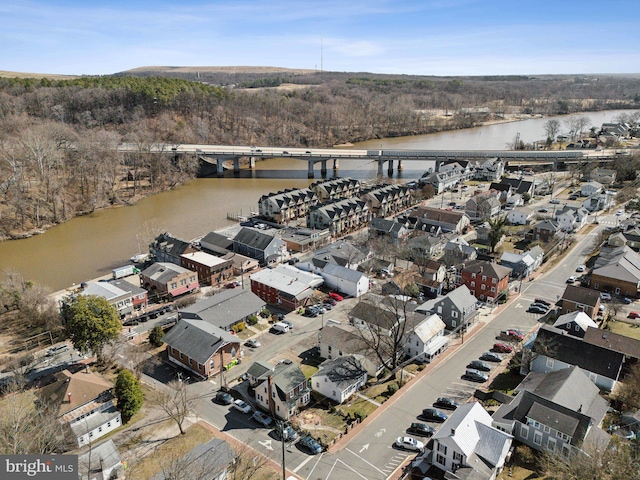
[[542, 301], [289, 434], [479, 365], [605, 296], [327, 306], [555, 201], [223, 398], [571, 279], [490, 357], [537, 309], [502, 348], [309, 444], [242, 406], [409, 443], [336, 297], [263, 419], [310, 312], [634, 315], [56, 350], [541, 305], [511, 335], [433, 415], [132, 322], [320, 309], [627, 301], [573, 197], [446, 403], [543, 210], [252, 342], [331, 301], [581, 268], [475, 376], [279, 328], [421, 429], [230, 285], [287, 323]]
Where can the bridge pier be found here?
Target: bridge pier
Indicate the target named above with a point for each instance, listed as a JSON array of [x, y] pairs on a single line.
[[380, 166], [220, 166], [399, 165], [252, 162], [335, 164], [236, 165], [310, 169], [390, 168], [323, 168]]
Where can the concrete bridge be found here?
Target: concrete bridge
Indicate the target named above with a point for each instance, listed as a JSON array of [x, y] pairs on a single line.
[[220, 153]]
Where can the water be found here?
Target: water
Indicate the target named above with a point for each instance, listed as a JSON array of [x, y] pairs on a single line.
[[89, 246]]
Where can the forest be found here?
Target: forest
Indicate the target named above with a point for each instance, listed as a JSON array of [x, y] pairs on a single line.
[[59, 138]]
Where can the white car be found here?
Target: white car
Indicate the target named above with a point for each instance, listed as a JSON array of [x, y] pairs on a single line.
[[620, 212], [581, 268], [571, 279], [242, 406], [555, 201], [605, 296], [409, 443]]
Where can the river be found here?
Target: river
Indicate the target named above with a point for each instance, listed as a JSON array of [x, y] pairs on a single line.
[[89, 246]]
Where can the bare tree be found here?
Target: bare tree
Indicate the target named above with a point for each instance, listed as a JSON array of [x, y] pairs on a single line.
[[204, 462], [176, 400], [552, 128], [577, 126], [629, 392]]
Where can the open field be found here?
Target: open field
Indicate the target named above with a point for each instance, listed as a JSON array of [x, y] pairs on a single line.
[[52, 76]]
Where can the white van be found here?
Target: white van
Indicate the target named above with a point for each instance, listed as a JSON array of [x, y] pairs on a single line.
[[280, 327]]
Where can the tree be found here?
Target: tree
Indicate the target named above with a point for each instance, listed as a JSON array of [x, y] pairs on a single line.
[[156, 336], [91, 323], [577, 125], [176, 401], [497, 229], [526, 196], [552, 128], [129, 394], [629, 392]]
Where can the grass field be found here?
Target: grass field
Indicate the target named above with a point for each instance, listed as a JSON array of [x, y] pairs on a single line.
[[624, 328]]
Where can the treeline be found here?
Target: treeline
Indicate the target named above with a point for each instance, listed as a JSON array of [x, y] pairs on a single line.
[[58, 150]]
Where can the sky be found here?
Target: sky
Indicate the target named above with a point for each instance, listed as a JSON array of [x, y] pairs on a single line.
[[422, 37]]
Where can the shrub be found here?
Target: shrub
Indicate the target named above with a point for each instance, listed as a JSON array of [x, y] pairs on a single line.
[[265, 313], [238, 327], [252, 320], [129, 394], [359, 414], [392, 388]]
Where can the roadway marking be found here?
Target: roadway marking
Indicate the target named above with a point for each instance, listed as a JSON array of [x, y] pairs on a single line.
[[354, 471], [519, 305], [266, 444], [314, 467], [365, 461], [380, 432], [302, 464], [364, 447]]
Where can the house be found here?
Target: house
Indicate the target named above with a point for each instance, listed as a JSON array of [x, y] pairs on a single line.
[[482, 206], [433, 219], [375, 313], [202, 348], [101, 462], [226, 308], [522, 264], [283, 390], [426, 245], [259, 245], [628, 346], [630, 237], [166, 248], [520, 216], [302, 239], [581, 299], [216, 243], [84, 401], [336, 341], [617, 270], [544, 230], [553, 349], [489, 170], [459, 251], [427, 339], [336, 189], [600, 201], [256, 370], [285, 286], [139, 296], [340, 378], [282, 207], [571, 219], [211, 270], [211, 461], [391, 229], [557, 412], [519, 186], [341, 253], [119, 298], [432, 277], [386, 200], [168, 280], [575, 323], [514, 201], [241, 264], [457, 309], [486, 280], [604, 176], [590, 188], [346, 280], [467, 446], [340, 217]]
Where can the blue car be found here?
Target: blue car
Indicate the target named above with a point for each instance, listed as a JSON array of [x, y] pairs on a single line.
[[627, 300], [309, 444]]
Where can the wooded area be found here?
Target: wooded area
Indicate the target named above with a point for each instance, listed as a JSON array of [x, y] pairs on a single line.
[[58, 155]]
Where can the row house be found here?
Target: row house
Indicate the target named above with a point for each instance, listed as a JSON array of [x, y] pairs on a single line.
[[340, 217], [447, 177], [486, 280], [211, 270], [385, 200], [336, 189], [166, 280], [166, 248], [490, 170], [119, 298], [139, 296], [283, 390], [282, 207]]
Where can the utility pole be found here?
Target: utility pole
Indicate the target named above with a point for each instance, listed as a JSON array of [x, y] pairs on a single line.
[[282, 441]]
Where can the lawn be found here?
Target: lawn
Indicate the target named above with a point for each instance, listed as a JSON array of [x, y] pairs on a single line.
[[506, 382], [358, 405], [624, 328], [308, 370]]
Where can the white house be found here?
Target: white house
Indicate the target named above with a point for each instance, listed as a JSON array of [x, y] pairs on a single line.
[[575, 323], [345, 280], [427, 339], [467, 445], [339, 378], [599, 201], [520, 216], [570, 218], [590, 188]]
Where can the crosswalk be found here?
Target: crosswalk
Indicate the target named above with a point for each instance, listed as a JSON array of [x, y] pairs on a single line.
[[395, 461]]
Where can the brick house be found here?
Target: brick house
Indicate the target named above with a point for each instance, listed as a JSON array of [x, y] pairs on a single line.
[[202, 348], [544, 230], [580, 299], [486, 280], [285, 286], [283, 390], [617, 270], [167, 280], [211, 270]]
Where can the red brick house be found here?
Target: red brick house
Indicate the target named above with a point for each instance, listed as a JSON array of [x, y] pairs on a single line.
[[211, 270], [201, 348], [486, 280], [168, 280], [581, 299], [285, 286]]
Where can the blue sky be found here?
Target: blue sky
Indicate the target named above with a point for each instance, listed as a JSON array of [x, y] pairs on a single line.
[[427, 37]]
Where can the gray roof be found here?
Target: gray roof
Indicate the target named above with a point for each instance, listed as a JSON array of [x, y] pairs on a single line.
[[290, 280], [127, 287], [198, 339], [462, 298], [258, 369], [207, 460], [342, 371], [225, 308], [286, 377], [378, 311], [620, 263], [104, 456], [582, 295], [254, 238], [341, 252], [578, 317], [384, 225], [213, 239], [342, 272], [163, 272]]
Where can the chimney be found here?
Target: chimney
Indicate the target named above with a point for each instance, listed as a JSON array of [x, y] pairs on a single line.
[[69, 395], [453, 431]]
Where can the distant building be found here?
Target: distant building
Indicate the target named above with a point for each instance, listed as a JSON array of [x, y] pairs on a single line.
[[168, 249], [282, 207], [434, 219], [339, 217]]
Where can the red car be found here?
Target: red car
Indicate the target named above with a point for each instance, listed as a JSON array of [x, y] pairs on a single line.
[[336, 297], [511, 335], [502, 348], [634, 314]]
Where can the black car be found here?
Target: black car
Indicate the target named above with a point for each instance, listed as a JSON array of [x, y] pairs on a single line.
[[536, 309], [433, 415], [421, 429], [475, 376], [223, 398], [490, 357], [542, 301], [309, 444], [446, 403], [543, 210], [479, 365], [310, 312]]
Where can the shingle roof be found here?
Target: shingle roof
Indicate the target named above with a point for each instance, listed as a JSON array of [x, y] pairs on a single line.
[[578, 317], [104, 289], [197, 339], [345, 273], [163, 272], [103, 456], [582, 295], [253, 238], [436, 214], [80, 387], [225, 308], [621, 263], [375, 313], [258, 369], [613, 341], [207, 460], [342, 371], [491, 270]]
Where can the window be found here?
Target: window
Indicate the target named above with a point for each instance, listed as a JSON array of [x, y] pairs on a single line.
[[473, 284], [483, 287], [454, 314], [484, 278], [318, 384], [442, 448], [174, 285], [453, 323], [473, 275], [493, 289], [457, 457], [551, 445], [577, 327], [537, 438], [546, 429], [441, 460], [549, 362], [533, 423], [494, 280]]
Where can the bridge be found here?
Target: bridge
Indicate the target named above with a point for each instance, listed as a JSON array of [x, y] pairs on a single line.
[[220, 153]]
